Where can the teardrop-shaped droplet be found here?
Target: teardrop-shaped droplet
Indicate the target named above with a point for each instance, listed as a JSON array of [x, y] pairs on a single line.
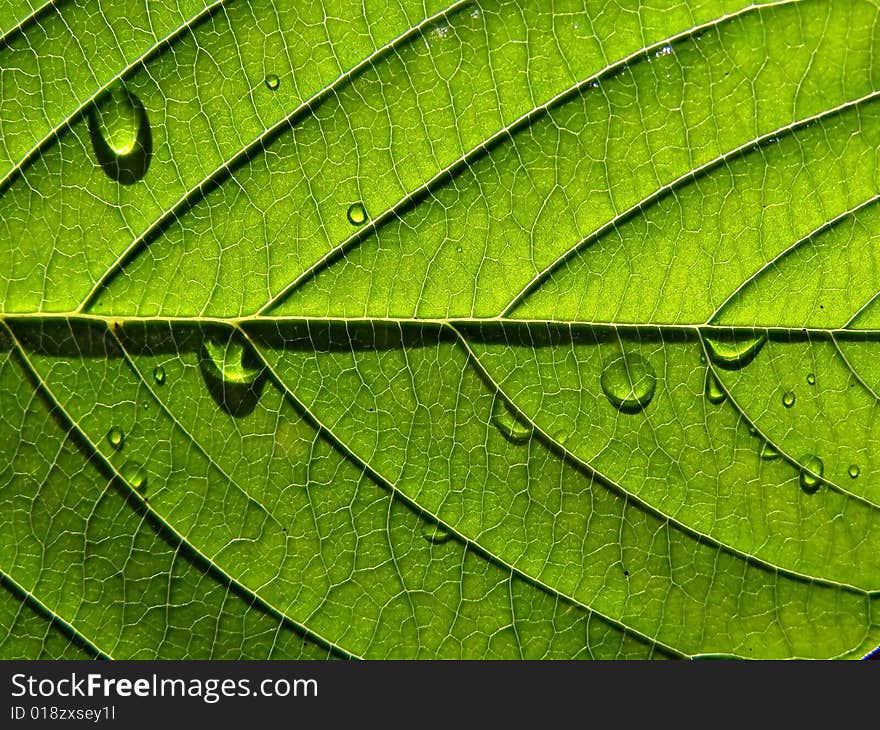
[[272, 82], [116, 438], [357, 214], [714, 392], [788, 398], [230, 361], [733, 351], [629, 383], [135, 475], [159, 375], [768, 452], [811, 379], [233, 373], [506, 422], [854, 471], [121, 136], [811, 475], [437, 535]]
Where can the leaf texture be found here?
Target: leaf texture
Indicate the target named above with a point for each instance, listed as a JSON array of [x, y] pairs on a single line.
[[497, 329]]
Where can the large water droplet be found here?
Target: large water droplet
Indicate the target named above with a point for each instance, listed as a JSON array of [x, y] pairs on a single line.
[[811, 475], [159, 375], [121, 136], [357, 214], [629, 383], [854, 471], [788, 399], [272, 82], [116, 438], [229, 360], [232, 372], [714, 392], [507, 422], [135, 475], [732, 351], [769, 452]]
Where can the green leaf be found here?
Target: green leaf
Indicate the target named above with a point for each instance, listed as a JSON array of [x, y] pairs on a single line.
[[498, 329]]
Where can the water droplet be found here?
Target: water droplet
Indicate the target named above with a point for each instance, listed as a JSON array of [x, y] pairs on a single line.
[[854, 471], [769, 452], [116, 438], [507, 422], [629, 383], [272, 82], [121, 136], [788, 399], [135, 475], [229, 361], [714, 392], [437, 535], [159, 375], [357, 214], [811, 474], [811, 379], [732, 351], [560, 437], [232, 372]]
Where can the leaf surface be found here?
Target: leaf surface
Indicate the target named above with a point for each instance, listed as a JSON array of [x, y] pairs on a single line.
[[488, 330]]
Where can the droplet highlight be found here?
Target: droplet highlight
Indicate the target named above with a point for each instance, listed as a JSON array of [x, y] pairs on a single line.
[[159, 375], [506, 421], [788, 398], [121, 136], [116, 438], [811, 475], [135, 475], [272, 82], [629, 383], [714, 392], [733, 351], [357, 214]]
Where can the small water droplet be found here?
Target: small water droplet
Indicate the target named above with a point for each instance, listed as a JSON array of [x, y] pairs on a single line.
[[811, 475], [507, 422], [121, 136], [560, 437], [437, 535], [357, 214], [733, 351], [135, 475], [116, 438], [769, 452], [811, 379], [788, 399], [272, 82], [159, 375], [714, 392], [854, 471], [629, 383]]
